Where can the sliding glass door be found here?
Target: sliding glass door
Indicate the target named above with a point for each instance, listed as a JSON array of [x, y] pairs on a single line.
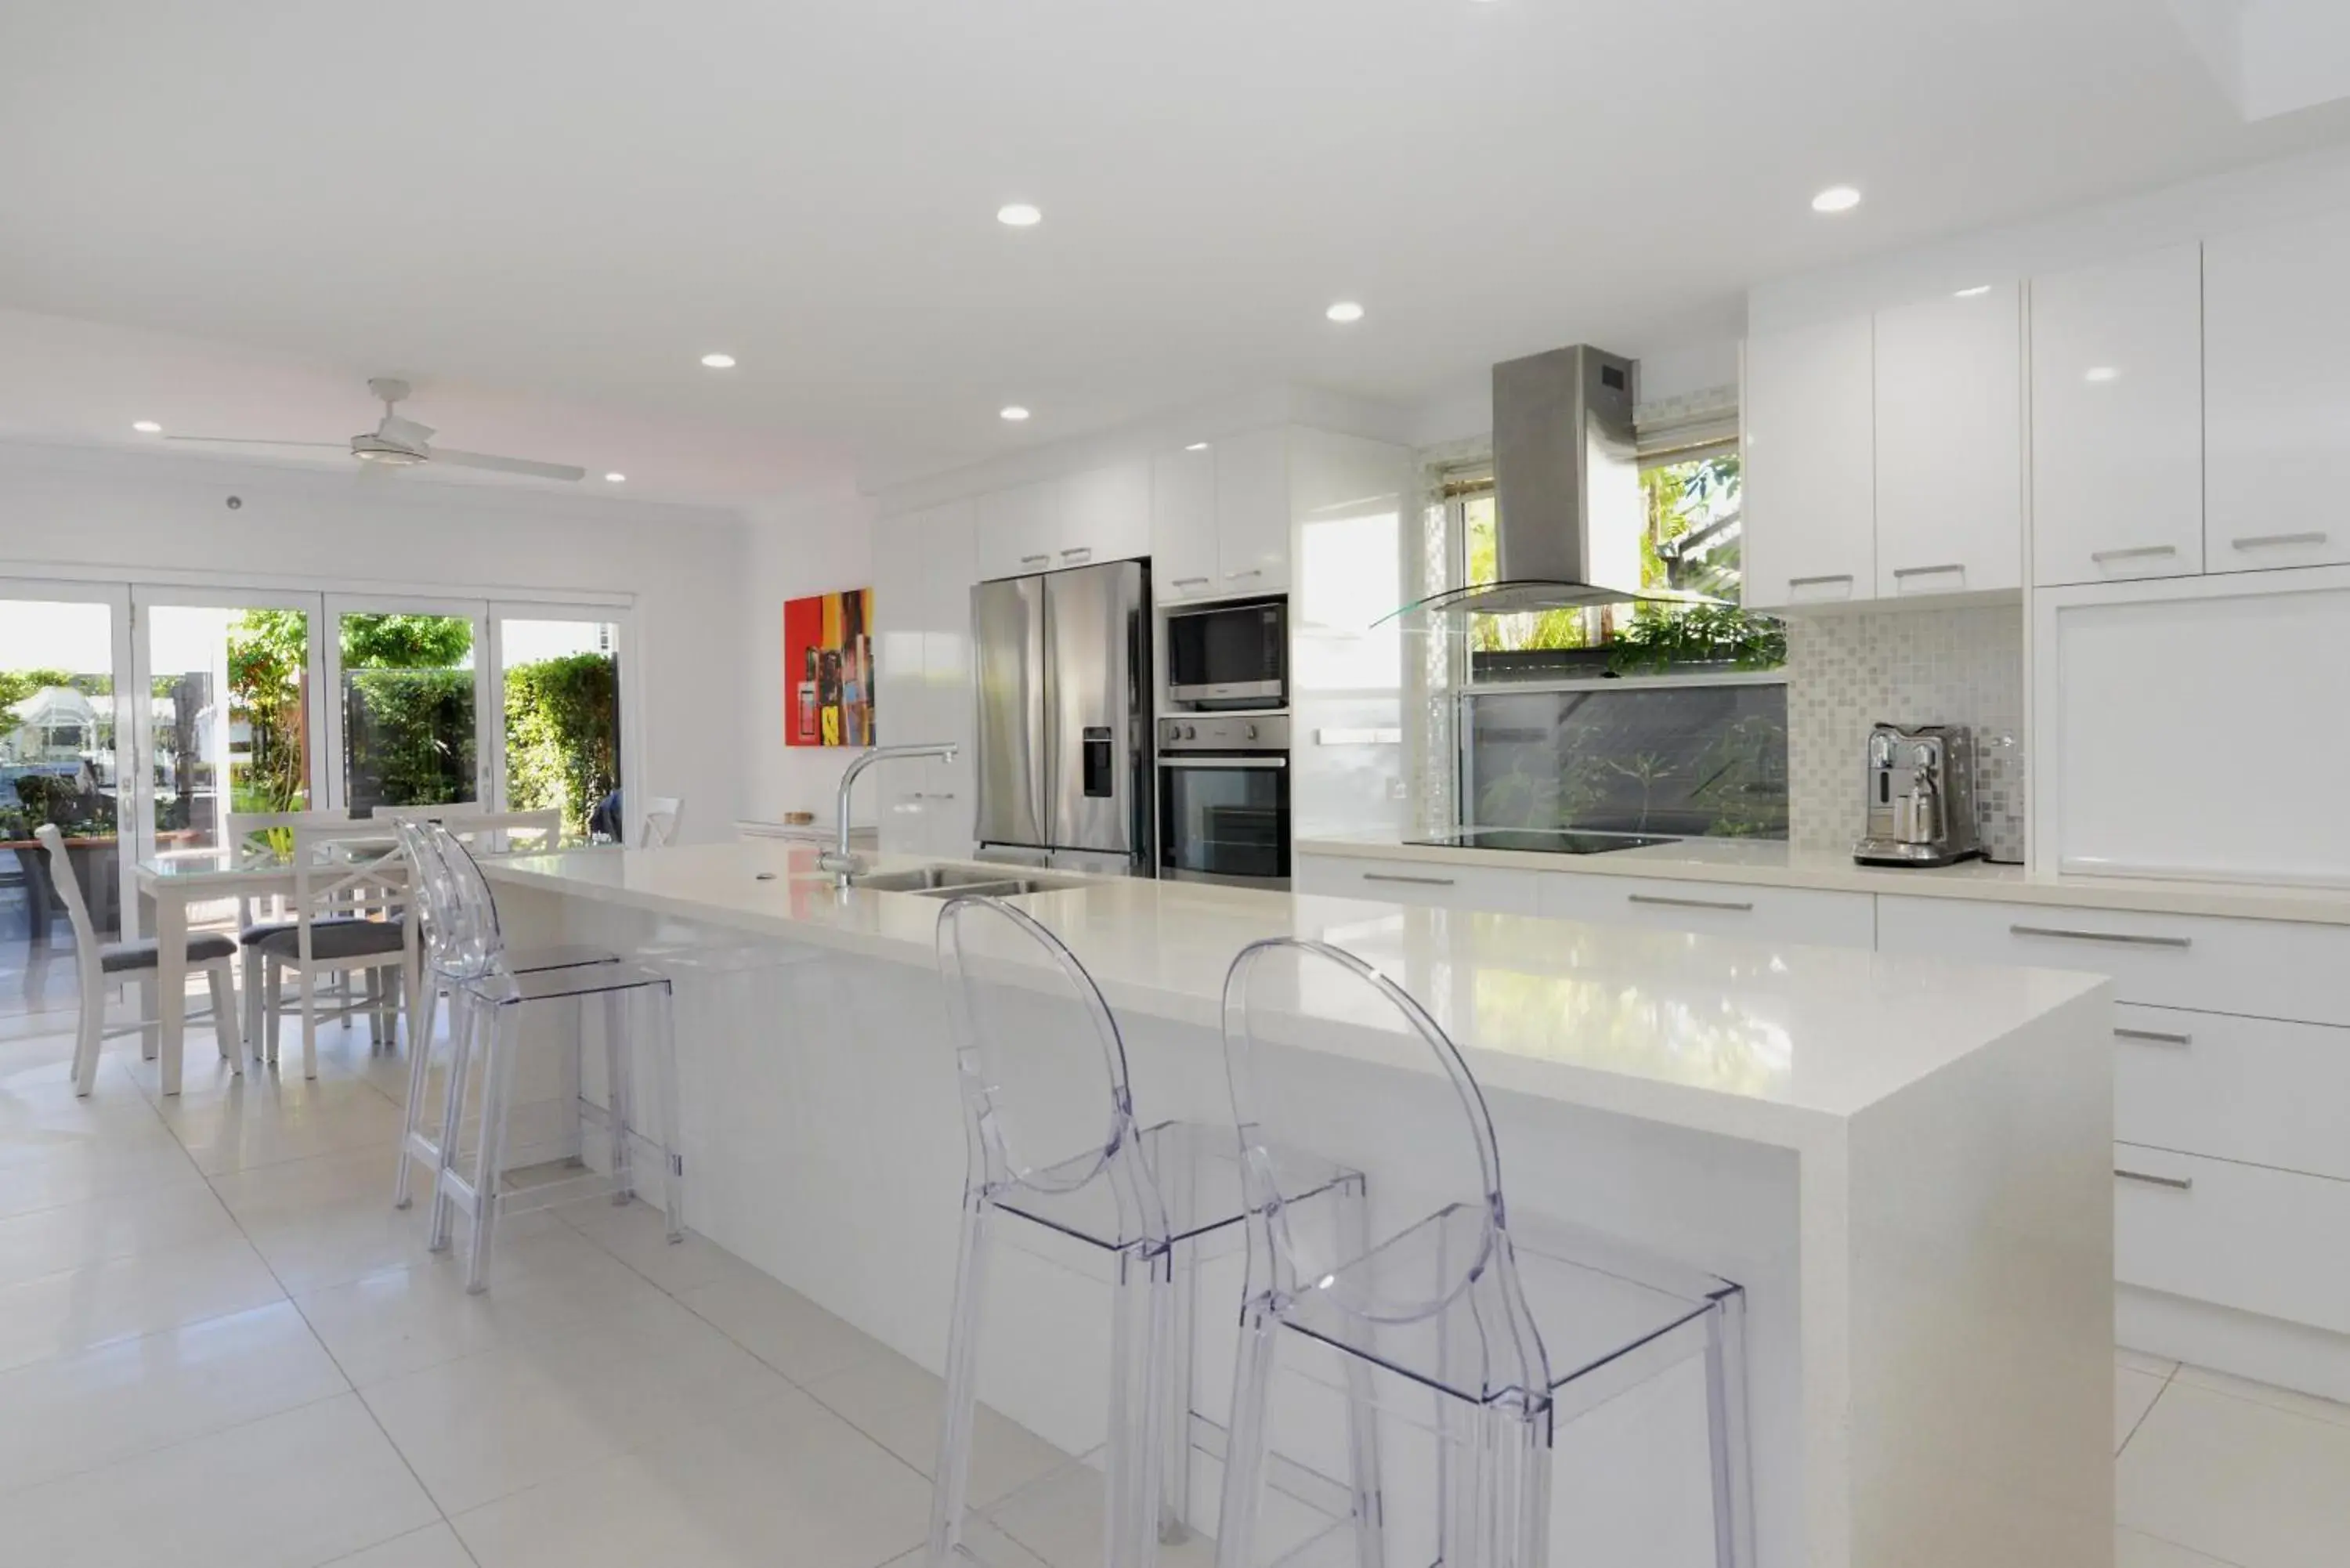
[[410, 706], [558, 702], [65, 759]]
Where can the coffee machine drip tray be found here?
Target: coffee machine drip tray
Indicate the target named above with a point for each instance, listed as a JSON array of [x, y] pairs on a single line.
[[1893, 852]]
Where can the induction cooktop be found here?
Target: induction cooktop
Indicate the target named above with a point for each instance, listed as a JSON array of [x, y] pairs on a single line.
[[1540, 840]]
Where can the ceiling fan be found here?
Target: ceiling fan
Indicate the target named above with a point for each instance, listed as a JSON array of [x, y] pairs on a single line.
[[404, 443]]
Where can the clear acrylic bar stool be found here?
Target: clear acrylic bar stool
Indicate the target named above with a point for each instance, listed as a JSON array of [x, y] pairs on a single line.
[[1508, 1335], [465, 953], [1053, 1140]]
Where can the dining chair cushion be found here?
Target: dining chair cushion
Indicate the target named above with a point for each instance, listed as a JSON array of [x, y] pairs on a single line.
[[115, 958], [347, 937]]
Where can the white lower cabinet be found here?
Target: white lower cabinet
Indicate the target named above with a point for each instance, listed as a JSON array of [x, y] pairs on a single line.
[[1715, 909], [2257, 1091], [1495, 889], [2241, 1236]]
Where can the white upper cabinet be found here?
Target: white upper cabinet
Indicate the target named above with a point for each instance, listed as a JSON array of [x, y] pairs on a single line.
[[1104, 514], [1183, 523], [1220, 517], [1253, 507], [2117, 420], [1949, 443], [2276, 314], [1809, 428], [1019, 530]]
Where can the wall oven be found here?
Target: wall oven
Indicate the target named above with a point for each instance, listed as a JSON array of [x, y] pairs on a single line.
[[1223, 799], [1230, 654]]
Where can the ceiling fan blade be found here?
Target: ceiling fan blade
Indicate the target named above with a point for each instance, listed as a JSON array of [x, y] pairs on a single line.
[[259, 440], [506, 464]]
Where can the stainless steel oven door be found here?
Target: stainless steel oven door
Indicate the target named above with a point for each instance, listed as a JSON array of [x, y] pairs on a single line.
[[1224, 819]]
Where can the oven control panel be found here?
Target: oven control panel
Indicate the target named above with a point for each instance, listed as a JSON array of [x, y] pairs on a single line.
[[1225, 732]]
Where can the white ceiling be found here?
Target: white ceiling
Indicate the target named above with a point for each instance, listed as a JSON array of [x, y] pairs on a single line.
[[543, 212]]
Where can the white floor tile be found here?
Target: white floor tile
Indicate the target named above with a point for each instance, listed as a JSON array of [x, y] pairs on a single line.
[[2134, 1396], [1006, 1456], [874, 1387], [70, 1413], [781, 1326], [66, 1312], [490, 1425], [327, 1220], [783, 1480], [265, 1120], [2241, 1481], [637, 1235], [2132, 1550], [2290, 1399], [291, 1490], [434, 1546], [42, 1170], [74, 1235], [990, 1546], [545, 1276]]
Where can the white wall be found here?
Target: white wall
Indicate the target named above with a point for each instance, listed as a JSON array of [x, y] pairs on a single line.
[[129, 516], [811, 545]]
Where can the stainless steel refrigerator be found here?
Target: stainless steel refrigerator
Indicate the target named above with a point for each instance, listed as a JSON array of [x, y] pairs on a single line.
[[1061, 664]]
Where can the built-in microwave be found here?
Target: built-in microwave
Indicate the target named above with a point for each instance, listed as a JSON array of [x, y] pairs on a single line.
[[1229, 655]]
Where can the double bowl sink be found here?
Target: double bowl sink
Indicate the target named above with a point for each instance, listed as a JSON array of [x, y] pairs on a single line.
[[961, 881]]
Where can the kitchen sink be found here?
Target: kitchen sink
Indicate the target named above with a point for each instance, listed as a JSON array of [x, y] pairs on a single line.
[[952, 881]]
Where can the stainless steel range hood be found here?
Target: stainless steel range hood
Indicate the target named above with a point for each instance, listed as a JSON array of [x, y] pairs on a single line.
[[1566, 479]]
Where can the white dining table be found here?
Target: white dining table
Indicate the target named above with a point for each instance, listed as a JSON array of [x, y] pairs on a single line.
[[169, 883]]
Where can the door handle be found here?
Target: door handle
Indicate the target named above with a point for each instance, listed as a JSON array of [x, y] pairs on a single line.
[[1084, 552], [1746, 909], [1189, 582], [2126, 939], [1903, 574], [1416, 881], [2263, 541], [2133, 553], [1036, 560], [1251, 572], [2155, 1037], [2175, 1183]]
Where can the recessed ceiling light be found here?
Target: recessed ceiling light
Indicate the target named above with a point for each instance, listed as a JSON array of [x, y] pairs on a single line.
[[1837, 199], [1197, 446], [2101, 373], [1977, 292], [1018, 215], [1344, 310], [615, 478], [147, 427], [718, 362], [1014, 412]]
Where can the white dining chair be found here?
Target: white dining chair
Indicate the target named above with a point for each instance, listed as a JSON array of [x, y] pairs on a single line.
[[351, 899], [660, 822], [248, 837], [103, 964]]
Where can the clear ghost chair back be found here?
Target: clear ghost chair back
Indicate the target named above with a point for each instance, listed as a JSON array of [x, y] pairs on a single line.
[[462, 942], [1042, 1064], [1433, 1263]]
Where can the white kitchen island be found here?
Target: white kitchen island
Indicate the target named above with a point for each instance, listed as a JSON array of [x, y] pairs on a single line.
[[1906, 1164]]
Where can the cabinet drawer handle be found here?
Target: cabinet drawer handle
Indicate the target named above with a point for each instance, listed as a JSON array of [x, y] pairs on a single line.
[[1083, 553], [2263, 541], [2175, 1183], [1688, 903], [1189, 582], [2155, 1037], [2126, 939], [1900, 572], [1417, 881], [1814, 582], [1251, 572], [1036, 560], [2133, 553]]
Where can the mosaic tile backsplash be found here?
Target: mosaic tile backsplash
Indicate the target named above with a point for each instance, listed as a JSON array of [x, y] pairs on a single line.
[[1846, 672]]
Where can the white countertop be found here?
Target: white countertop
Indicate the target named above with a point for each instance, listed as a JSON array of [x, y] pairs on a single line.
[[1762, 863], [1773, 1043]]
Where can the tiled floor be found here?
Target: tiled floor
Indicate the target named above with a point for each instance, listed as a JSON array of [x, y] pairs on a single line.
[[219, 1345]]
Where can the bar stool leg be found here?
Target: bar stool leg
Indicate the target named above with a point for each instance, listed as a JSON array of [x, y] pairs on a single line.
[[1175, 1399], [663, 1035], [464, 1017], [1517, 1483], [1725, 1397], [1132, 1475], [957, 1419], [1352, 1200], [619, 1064], [1245, 1444], [419, 1081], [497, 1087]]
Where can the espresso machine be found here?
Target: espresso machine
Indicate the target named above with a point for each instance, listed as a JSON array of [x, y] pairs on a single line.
[[1922, 797]]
